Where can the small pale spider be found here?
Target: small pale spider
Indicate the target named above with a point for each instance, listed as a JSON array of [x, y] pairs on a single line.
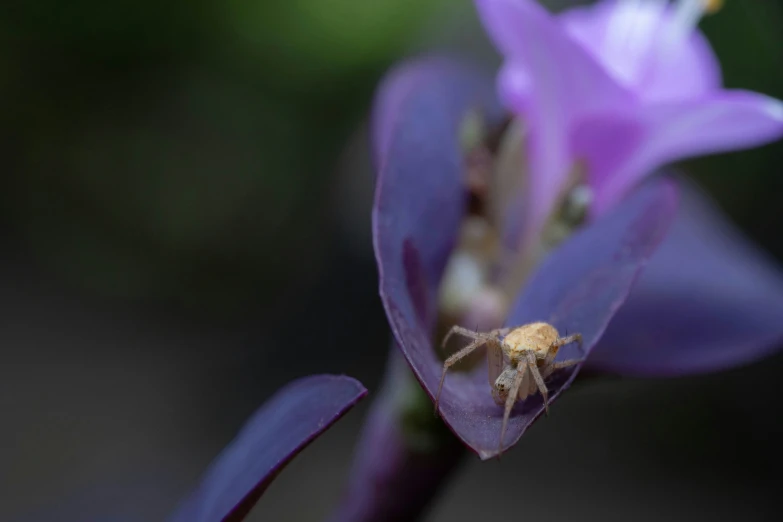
[[519, 360]]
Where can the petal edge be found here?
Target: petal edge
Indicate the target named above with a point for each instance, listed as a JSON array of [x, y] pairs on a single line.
[[708, 301], [289, 421]]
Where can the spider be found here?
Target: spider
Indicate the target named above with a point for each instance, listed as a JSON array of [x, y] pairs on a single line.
[[519, 360]]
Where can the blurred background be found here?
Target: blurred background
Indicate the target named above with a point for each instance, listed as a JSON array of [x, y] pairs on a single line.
[[185, 227]]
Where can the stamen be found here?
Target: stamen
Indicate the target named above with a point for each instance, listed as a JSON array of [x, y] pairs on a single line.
[[713, 6], [685, 18], [687, 14]]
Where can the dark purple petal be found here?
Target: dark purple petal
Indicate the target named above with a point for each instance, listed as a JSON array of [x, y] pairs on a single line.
[[397, 470], [420, 196], [392, 95], [279, 430], [708, 300], [578, 289]]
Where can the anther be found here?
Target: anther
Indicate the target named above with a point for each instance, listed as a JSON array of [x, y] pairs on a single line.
[[712, 6]]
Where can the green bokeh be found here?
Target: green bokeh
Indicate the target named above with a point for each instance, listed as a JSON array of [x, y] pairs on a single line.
[[183, 149], [324, 40]]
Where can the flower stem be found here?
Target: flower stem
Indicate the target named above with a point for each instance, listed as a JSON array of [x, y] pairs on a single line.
[[404, 457]]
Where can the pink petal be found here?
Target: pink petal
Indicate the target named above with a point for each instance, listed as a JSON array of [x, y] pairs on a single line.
[[566, 82], [667, 132]]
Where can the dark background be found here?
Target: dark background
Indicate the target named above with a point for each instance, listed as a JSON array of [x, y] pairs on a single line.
[[184, 228]]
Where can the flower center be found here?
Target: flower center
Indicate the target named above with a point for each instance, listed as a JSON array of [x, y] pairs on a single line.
[[640, 27]]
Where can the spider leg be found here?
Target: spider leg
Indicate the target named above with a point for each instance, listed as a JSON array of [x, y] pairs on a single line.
[[453, 360], [569, 339], [566, 364], [499, 332], [494, 367], [550, 355], [524, 389], [552, 368], [462, 331], [532, 364], [511, 399]]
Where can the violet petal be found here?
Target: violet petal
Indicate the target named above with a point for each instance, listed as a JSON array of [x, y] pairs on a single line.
[[280, 429], [709, 300]]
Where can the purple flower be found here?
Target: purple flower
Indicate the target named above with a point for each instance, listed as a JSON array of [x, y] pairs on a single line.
[[420, 201], [546, 217], [622, 86], [274, 435], [707, 301]]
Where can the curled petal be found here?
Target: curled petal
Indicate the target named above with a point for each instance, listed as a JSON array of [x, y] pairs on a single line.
[[578, 288], [725, 121], [420, 194], [709, 300], [279, 430], [566, 82]]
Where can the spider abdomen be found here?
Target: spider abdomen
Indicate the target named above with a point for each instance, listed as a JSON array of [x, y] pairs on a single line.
[[536, 337]]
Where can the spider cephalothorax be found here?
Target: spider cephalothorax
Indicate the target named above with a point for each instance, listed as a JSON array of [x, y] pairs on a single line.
[[519, 360]]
